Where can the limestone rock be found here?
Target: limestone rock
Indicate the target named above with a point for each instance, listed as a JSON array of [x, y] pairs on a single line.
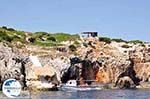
[[11, 64]]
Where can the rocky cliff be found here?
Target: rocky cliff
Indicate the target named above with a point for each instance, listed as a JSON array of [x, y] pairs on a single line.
[[12, 64], [126, 65], [123, 64]]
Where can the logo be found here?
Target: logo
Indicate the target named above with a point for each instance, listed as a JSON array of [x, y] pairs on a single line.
[[11, 88]]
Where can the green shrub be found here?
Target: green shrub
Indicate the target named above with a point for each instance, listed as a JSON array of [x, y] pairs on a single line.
[[10, 29], [40, 35], [4, 36], [76, 42], [118, 40], [47, 43], [72, 48], [51, 39], [10, 34], [65, 37], [105, 39], [135, 41], [4, 27], [20, 33]]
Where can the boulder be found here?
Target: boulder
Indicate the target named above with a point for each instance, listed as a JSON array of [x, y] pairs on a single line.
[[126, 83]]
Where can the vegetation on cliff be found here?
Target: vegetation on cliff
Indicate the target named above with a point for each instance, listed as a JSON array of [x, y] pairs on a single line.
[[37, 38], [47, 39], [109, 40]]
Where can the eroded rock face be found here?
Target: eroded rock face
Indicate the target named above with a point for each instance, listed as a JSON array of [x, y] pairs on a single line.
[[106, 63], [81, 69], [115, 63], [141, 58], [12, 65], [119, 62], [89, 71], [130, 73], [73, 71]]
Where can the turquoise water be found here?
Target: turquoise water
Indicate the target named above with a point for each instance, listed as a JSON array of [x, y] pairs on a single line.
[[105, 94]]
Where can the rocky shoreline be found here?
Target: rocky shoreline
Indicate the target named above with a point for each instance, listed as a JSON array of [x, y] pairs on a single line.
[[120, 64]]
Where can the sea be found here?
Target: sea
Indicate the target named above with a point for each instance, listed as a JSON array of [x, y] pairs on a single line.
[[102, 94]]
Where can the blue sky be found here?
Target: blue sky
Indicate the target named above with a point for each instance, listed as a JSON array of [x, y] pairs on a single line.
[[126, 19]]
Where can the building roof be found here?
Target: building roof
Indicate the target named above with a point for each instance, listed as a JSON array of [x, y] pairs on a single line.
[[89, 32]]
